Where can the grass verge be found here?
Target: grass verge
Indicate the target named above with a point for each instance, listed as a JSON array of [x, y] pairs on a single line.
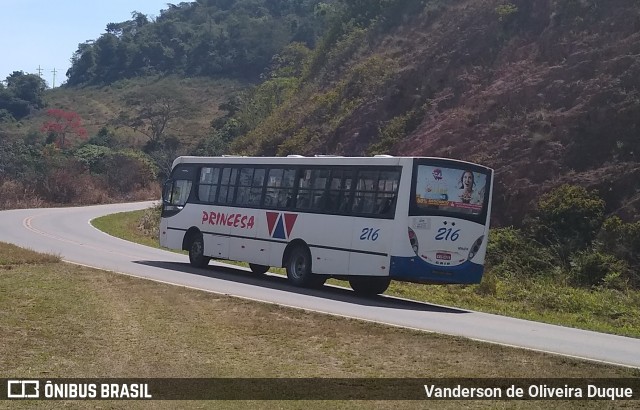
[[11, 256], [602, 310], [63, 320]]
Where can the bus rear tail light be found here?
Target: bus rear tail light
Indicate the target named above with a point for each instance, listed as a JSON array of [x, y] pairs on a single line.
[[475, 247], [413, 239]]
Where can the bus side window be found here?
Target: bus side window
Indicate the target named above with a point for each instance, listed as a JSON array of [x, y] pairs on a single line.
[[364, 202], [368, 203], [319, 200], [333, 196], [273, 193], [384, 205], [386, 192], [332, 201], [288, 183], [271, 198], [319, 193], [358, 202], [227, 185], [341, 190], [244, 186], [304, 190], [302, 201], [255, 194], [290, 201], [208, 185], [278, 193]]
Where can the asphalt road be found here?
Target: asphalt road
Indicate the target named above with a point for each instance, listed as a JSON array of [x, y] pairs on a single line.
[[68, 232]]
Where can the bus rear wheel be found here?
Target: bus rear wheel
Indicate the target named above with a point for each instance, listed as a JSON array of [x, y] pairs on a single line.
[[299, 268], [369, 285], [196, 252], [258, 269]]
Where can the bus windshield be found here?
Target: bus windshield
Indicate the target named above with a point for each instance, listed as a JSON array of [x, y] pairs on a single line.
[[451, 190]]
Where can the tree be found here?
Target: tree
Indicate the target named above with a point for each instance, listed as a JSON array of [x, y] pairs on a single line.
[[83, 65], [107, 64], [27, 87], [22, 95], [234, 38], [153, 110], [63, 124]]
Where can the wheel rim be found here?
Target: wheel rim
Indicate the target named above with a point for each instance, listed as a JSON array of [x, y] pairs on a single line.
[[298, 266], [196, 249]]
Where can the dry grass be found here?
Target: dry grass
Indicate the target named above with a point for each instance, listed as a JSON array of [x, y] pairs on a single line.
[[100, 106], [11, 255], [16, 194]]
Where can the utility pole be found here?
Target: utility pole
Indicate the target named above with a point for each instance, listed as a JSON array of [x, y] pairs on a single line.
[[39, 71], [54, 78]]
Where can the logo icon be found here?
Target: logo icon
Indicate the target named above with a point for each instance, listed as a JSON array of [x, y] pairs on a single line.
[[23, 389], [443, 256], [280, 224]]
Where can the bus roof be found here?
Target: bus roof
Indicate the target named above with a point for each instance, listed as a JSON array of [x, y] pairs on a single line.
[[316, 160]]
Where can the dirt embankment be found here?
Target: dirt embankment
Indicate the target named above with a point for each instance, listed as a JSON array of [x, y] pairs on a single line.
[[547, 93]]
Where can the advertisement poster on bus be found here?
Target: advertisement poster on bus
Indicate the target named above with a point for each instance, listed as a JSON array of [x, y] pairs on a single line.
[[447, 189]]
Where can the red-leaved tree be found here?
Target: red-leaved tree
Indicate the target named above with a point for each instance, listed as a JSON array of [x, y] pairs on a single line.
[[63, 125]]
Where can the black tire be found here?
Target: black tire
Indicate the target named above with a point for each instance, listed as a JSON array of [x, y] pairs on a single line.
[[258, 269], [299, 269], [369, 285], [196, 252]]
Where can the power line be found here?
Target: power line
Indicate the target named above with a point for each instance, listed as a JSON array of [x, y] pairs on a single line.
[[39, 71]]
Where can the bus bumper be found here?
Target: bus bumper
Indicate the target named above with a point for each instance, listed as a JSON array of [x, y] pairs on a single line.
[[414, 269]]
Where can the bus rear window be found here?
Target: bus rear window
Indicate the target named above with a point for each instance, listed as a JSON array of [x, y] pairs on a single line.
[[450, 190]]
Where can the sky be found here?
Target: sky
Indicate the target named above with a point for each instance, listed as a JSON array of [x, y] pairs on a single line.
[[45, 33]]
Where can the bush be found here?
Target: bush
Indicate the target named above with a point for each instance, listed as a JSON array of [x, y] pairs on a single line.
[[104, 138], [489, 285], [623, 241], [150, 222], [72, 185], [92, 156], [511, 254], [128, 171], [15, 194], [5, 116], [567, 218], [505, 11], [395, 130], [593, 268]]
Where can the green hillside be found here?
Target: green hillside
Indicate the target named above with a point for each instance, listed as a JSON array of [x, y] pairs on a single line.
[[96, 144], [545, 91]]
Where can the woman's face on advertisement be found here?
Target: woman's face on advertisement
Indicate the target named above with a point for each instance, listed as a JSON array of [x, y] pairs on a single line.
[[467, 180]]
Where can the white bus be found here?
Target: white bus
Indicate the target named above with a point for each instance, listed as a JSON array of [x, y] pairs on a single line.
[[367, 220]]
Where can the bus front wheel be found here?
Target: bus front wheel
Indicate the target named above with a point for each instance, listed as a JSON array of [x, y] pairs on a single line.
[[196, 253], [369, 285], [299, 268]]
